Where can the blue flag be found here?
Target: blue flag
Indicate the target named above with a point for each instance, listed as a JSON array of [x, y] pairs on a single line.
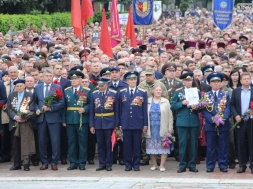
[[143, 12], [223, 13]]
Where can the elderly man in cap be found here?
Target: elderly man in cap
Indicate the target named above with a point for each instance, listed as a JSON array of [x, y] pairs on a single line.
[[187, 123], [75, 118], [103, 115], [22, 132], [217, 132], [132, 119]]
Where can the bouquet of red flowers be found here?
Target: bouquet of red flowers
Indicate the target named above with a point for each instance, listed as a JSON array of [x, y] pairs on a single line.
[[54, 97], [57, 82]]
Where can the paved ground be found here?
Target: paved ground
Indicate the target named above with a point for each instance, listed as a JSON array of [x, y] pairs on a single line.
[[119, 179]]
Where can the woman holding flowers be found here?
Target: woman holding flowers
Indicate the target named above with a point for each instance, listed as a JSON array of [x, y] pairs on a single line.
[[217, 113], [160, 127]]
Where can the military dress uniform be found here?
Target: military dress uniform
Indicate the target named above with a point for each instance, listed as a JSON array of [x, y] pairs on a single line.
[[118, 148], [217, 137], [77, 134], [187, 123], [103, 118], [133, 118]]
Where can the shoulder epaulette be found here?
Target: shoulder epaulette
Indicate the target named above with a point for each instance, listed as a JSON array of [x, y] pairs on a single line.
[[123, 89], [87, 88], [113, 91], [67, 88], [141, 89], [95, 91], [179, 89]]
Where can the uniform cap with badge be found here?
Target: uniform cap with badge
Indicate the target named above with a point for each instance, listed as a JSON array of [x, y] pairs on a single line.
[[116, 68], [168, 66], [75, 74], [131, 75], [77, 68], [187, 76], [105, 71], [215, 76], [207, 68], [102, 81], [149, 71]]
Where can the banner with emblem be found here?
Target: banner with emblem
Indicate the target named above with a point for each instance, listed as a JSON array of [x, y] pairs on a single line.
[[143, 12], [157, 10], [223, 13]]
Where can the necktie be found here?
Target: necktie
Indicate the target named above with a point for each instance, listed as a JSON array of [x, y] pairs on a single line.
[[75, 93], [215, 97], [47, 91], [19, 100], [170, 83], [131, 93], [12, 86], [115, 85]]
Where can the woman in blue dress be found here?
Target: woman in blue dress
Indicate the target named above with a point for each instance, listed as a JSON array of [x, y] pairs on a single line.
[[160, 122]]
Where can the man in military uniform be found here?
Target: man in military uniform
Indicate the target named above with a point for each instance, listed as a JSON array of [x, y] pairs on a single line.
[[132, 119], [169, 80], [103, 120], [171, 83], [75, 118], [217, 135], [187, 123], [117, 84], [148, 86]]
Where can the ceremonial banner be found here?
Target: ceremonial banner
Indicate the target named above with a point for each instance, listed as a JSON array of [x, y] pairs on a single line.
[[76, 17], [130, 33], [116, 35], [142, 12], [157, 10], [223, 13]]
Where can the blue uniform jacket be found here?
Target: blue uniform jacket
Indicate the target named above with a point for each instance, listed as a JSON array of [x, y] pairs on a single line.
[[106, 105], [121, 85], [185, 116], [72, 116], [208, 114], [133, 113]]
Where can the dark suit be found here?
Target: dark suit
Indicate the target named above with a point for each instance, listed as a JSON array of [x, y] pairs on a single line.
[[12, 111], [4, 142], [244, 132], [51, 121], [205, 87]]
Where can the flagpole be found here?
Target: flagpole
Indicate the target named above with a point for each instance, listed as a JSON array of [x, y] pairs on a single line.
[[143, 35]]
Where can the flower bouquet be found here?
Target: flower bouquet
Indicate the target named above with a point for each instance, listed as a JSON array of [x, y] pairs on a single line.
[[81, 100], [54, 97], [57, 82], [24, 111], [119, 134], [167, 140], [202, 101], [244, 116]]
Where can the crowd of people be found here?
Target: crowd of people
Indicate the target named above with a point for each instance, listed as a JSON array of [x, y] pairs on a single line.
[[60, 98]]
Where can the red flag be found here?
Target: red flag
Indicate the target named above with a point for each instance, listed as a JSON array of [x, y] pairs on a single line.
[[130, 28], [87, 11], [113, 138], [116, 35], [105, 41], [76, 17]]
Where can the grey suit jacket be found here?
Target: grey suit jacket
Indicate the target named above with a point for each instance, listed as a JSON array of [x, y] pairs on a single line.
[[12, 109]]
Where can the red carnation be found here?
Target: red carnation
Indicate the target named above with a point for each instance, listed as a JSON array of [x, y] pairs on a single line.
[[57, 82], [81, 93], [58, 93], [94, 82], [1, 105], [51, 89], [251, 105]]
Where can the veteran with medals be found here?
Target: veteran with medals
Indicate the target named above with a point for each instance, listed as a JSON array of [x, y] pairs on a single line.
[[187, 123], [20, 108], [75, 119], [102, 121], [217, 114], [132, 119]]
